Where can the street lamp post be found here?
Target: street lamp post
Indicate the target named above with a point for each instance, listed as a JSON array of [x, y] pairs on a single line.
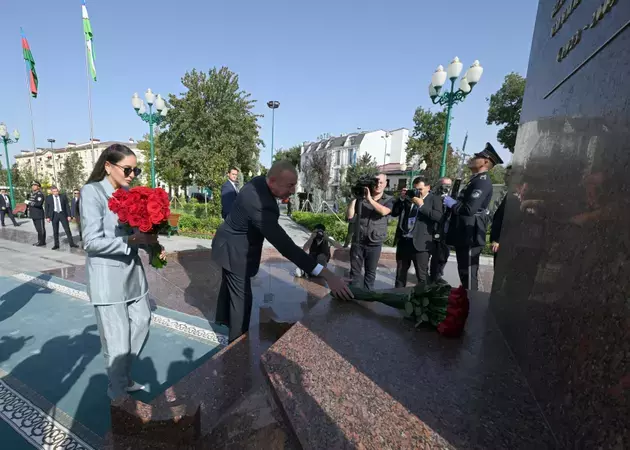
[[385, 137], [52, 152], [452, 97], [6, 139], [273, 104], [152, 118]]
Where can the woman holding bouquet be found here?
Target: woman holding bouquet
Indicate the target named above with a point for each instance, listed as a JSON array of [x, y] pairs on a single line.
[[117, 285]]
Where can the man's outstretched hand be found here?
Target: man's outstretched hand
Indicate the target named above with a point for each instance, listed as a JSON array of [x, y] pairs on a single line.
[[337, 285]]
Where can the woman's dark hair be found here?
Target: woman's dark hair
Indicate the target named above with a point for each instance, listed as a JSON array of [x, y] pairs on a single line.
[[113, 155]]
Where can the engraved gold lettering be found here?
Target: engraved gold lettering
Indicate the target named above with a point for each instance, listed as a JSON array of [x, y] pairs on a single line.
[[565, 16], [598, 15]]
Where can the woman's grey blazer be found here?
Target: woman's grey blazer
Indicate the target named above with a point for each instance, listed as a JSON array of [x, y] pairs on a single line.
[[114, 270]]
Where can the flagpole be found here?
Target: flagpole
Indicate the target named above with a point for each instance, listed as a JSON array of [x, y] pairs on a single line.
[[30, 108], [89, 83]]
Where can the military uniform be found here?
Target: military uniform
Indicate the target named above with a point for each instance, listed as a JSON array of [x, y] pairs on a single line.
[[469, 221], [35, 204]]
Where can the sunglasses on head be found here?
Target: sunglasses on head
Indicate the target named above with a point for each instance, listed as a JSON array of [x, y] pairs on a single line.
[[127, 170]]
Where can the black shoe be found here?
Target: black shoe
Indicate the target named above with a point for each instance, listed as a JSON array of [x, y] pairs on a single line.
[[40, 244], [74, 246], [56, 247], [17, 225]]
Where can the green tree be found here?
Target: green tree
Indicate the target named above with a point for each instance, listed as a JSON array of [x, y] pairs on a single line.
[[293, 154], [365, 166], [497, 175], [427, 141], [505, 109], [320, 168], [210, 127], [71, 175], [22, 179]]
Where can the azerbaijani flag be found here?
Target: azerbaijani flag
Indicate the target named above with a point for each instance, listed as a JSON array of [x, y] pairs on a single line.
[[87, 30], [30, 65]]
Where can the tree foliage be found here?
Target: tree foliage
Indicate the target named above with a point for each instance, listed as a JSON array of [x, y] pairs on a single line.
[[505, 109], [319, 166], [427, 141], [366, 165], [210, 127], [293, 154], [71, 176]]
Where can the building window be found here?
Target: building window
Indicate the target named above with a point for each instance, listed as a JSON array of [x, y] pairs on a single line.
[[336, 176], [352, 140], [337, 158], [351, 155]]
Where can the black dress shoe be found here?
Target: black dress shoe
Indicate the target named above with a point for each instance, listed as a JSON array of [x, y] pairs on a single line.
[[40, 244], [18, 225], [56, 247], [74, 246]]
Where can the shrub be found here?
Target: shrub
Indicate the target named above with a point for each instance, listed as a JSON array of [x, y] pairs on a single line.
[[191, 224], [188, 207], [336, 229]]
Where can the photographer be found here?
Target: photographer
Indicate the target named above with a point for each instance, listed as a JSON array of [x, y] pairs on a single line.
[[318, 247], [371, 208], [419, 212]]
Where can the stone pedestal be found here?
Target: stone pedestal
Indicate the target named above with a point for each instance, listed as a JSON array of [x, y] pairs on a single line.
[[161, 426], [357, 375], [562, 279]]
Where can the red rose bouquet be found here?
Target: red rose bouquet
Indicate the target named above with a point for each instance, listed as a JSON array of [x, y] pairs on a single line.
[[438, 305], [146, 210]]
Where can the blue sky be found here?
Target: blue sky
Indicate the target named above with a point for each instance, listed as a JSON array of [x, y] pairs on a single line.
[[334, 66]]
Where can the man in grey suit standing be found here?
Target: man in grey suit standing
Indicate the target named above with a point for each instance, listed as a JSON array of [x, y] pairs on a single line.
[[229, 191], [237, 246]]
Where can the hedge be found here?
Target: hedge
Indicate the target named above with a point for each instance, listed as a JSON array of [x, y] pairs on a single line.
[[339, 230]]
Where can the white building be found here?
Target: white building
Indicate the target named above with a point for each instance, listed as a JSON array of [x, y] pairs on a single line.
[[385, 147], [50, 161]]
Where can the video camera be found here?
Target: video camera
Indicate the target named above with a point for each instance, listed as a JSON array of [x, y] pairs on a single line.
[[443, 190], [363, 182], [412, 193]]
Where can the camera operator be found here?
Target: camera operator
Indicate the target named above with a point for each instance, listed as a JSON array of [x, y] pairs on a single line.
[[373, 207], [470, 216], [419, 211], [440, 251], [318, 247]]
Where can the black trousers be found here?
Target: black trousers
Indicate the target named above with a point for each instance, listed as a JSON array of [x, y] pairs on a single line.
[[41, 231], [439, 258], [234, 305], [364, 257], [468, 266], [56, 219], [404, 259], [9, 213]]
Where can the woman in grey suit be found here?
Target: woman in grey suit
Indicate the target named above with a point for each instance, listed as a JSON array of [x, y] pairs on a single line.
[[117, 285]]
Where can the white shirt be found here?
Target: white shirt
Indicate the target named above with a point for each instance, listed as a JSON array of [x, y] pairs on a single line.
[[57, 203], [234, 184], [6, 199]]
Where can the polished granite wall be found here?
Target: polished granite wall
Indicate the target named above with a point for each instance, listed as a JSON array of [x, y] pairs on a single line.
[[561, 290]]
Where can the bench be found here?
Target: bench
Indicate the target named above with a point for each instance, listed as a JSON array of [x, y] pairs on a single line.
[[19, 210]]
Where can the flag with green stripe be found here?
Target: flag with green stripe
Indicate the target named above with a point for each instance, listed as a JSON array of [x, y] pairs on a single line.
[[87, 31]]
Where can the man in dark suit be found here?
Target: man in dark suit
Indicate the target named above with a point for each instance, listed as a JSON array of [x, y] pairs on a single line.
[[57, 211], [419, 211], [237, 246], [6, 208], [229, 191], [35, 204], [75, 210]]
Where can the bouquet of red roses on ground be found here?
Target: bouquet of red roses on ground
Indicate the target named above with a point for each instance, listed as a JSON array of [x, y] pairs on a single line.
[[436, 304], [146, 210]]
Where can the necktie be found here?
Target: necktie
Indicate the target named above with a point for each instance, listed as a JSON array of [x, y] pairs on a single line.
[[6, 200], [57, 204]]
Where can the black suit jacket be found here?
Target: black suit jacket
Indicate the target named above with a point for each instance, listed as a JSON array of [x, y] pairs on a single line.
[[228, 196], [7, 205], [428, 215], [75, 208], [237, 246], [50, 206], [497, 222]]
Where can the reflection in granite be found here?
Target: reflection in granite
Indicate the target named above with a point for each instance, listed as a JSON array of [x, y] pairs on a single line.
[[562, 279], [359, 376]]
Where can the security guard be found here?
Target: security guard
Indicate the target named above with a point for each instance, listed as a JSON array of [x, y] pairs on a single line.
[[36, 212], [470, 216]]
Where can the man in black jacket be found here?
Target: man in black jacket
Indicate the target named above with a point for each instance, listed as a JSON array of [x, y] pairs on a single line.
[[497, 219], [57, 210], [75, 210], [419, 211], [35, 204], [6, 208], [229, 192], [470, 216], [237, 246]]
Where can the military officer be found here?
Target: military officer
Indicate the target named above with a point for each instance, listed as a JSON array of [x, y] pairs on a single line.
[[36, 212], [470, 216]]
